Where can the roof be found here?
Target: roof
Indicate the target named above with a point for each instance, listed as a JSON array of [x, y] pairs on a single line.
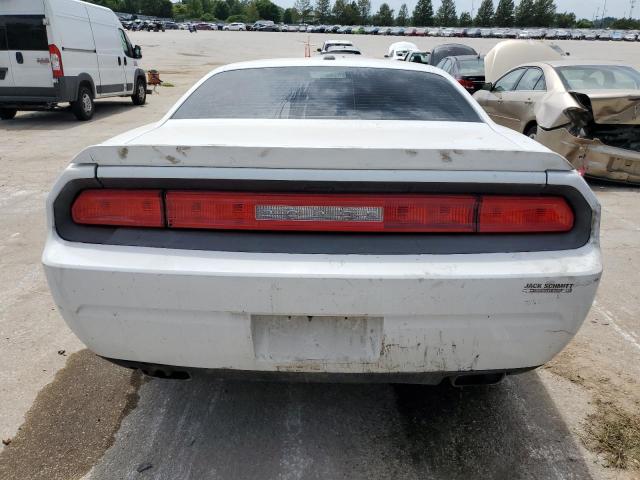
[[322, 61]]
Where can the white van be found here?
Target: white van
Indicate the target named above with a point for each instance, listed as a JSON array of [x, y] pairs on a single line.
[[58, 51]]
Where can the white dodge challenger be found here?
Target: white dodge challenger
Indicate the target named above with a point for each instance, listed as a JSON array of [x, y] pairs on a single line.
[[324, 218]]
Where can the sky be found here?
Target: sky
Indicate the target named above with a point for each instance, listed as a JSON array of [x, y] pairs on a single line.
[[582, 8]]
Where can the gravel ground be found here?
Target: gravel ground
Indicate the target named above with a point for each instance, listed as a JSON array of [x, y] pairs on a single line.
[[67, 414]]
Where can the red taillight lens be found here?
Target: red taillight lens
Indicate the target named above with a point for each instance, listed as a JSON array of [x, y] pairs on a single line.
[[323, 212], [468, 84], [304, 212], [56, 61], [130, 208], [502, 214]]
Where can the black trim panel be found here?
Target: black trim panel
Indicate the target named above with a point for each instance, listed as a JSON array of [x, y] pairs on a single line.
[[423, 378], [324, 242], [115, 88]]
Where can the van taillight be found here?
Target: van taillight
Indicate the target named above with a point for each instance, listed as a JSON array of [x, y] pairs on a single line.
[[56, 61], [392, 213]]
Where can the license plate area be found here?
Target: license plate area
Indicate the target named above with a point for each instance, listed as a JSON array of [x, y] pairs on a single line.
[[283, 338]]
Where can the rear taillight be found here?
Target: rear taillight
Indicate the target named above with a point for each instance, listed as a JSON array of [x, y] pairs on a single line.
[[361, 213], [468, 84], [56, 61], [323, 212], [127, 208], [500, 214]]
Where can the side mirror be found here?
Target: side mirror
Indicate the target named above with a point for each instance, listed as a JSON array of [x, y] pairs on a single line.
[[137, 52], [386, 56], [487, 86], [318, 49]]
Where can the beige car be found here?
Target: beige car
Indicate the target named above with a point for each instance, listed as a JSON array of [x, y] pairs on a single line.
[[587, 112]]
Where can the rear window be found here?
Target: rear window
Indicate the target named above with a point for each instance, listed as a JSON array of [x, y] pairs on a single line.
[[474, 66], [24, 32], [328, 93], [599, 77]]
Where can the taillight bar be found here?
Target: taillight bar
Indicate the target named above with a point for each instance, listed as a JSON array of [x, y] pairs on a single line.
[[393, 213]]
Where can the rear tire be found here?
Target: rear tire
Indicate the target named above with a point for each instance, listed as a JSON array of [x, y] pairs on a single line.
[[139, 96], [8, 113], [532, 131], [84, 107]]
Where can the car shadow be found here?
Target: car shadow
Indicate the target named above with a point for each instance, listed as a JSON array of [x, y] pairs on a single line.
[[209, 428], [63, 118]]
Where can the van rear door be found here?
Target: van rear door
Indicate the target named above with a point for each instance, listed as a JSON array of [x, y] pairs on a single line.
[[6, 75], [28, 49]]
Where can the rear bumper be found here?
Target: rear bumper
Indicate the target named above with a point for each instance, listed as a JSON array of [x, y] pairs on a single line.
[[416, 314], [593, 157], [26, 98]]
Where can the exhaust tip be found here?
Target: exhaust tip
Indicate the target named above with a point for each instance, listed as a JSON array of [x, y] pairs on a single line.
[[476, 380]]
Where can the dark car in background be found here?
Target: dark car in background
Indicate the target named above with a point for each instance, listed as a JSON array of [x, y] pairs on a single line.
[[449, 50], [468, 70]]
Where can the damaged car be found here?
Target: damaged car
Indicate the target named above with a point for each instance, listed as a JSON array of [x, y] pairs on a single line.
[[589, 112]]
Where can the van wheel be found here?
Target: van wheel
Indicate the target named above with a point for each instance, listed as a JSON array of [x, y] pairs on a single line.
[[84, 107], [8, 113], [139, 96]]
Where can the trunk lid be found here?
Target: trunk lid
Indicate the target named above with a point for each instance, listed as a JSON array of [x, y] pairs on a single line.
[[326, 144], [611, 107]]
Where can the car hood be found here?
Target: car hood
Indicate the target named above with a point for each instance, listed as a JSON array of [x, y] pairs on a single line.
[[327, 144], [509, 54]]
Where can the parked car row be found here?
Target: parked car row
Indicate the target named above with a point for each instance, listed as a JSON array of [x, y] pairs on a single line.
[[471, 32]]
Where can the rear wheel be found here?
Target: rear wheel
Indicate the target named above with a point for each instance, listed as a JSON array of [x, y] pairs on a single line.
[[139, 96], [84, 107], [532, 131], [8, 113]]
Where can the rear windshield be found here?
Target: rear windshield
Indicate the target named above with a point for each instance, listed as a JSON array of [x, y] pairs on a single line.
[[473, 66], [327, 93], [599, 77], [23, 32]]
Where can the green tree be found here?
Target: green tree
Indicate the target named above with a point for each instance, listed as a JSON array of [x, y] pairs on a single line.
[[180, 12], [525, 14], [251, 12], [446, 15], [504, 16], [221, 9], [364, 10], [584, 23], [545, 13], [195, 9], [304, 9], [403, 16], [484, 17], [384, 16], [323, 11], [267, 10], [423, 13], [338, 11], [465, 19], [236, 18], [565, 20]]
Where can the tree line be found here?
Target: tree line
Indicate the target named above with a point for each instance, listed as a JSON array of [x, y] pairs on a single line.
[[528, 13]]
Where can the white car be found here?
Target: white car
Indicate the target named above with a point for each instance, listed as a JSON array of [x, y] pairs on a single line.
[[334, 43], [236, 26], [399, 50], [309, 217], [65, 51]]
